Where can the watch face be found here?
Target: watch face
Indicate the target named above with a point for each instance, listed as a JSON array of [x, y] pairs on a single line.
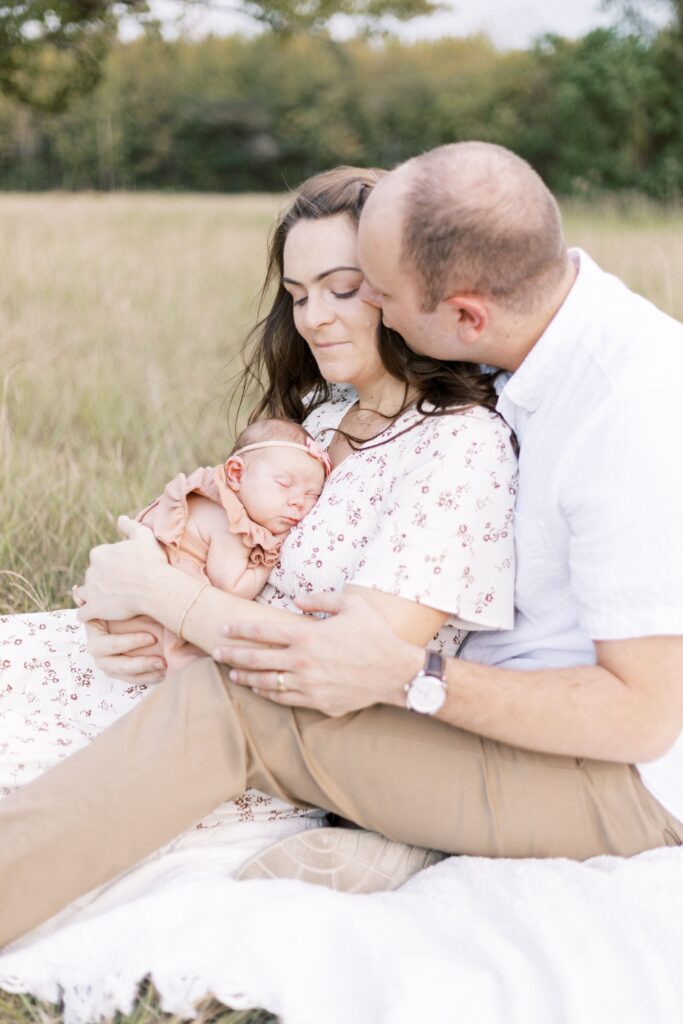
[[426, 694]]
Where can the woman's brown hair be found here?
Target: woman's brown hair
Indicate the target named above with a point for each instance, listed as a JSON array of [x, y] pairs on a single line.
[[281, 363]]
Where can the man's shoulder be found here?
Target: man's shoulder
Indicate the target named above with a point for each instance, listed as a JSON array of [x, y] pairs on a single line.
[[634, 336]]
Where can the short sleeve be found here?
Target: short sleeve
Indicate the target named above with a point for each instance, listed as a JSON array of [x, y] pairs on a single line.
[[623, 498], [445, 536]]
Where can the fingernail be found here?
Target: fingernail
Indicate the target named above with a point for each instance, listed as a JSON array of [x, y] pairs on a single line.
[[159, 664], [232, 675], [225, 630], [216, 655]]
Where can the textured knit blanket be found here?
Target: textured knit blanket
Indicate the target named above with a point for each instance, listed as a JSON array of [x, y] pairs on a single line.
[[469, 940]]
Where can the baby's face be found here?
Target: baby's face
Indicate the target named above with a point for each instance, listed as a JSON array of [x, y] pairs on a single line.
[[279, 486]]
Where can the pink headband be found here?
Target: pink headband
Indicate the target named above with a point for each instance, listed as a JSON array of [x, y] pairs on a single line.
[[311, 448]]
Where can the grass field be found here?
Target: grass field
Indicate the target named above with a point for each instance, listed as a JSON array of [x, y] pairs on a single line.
[[119, 317]]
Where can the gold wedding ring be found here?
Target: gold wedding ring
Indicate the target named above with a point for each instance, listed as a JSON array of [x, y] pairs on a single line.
[[280, 678]]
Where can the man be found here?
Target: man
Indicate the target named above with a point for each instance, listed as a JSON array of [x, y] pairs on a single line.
[[528, 744], [594, 398]]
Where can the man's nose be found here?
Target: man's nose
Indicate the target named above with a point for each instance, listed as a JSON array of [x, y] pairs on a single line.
[[370, 295]]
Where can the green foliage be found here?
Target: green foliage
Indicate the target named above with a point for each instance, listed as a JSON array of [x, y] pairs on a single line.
[[600, 113], [596, 109], [53, 50], [289, 16]]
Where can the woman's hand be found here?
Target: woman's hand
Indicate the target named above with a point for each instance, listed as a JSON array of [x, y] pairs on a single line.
[[346, 662], [108, 651], [121, 575]]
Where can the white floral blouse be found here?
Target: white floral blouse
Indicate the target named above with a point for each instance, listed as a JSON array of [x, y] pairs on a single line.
[[426, 516]]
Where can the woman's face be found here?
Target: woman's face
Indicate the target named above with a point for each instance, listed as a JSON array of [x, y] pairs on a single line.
[[322, 275]]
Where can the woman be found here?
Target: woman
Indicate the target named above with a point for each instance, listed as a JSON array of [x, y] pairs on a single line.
[[415, 518]]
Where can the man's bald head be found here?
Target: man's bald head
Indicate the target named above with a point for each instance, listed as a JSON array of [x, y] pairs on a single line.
[[475, 219]]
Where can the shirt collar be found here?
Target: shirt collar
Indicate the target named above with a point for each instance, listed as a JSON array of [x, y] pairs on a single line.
[[530, 383]]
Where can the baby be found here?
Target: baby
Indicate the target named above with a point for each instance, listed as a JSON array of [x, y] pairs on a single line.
[[226, 524]]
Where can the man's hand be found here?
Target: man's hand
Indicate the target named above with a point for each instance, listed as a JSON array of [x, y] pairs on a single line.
[[339, 665]]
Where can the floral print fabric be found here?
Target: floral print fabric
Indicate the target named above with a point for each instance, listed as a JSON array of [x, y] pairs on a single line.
[[426, 516], [53, 701]]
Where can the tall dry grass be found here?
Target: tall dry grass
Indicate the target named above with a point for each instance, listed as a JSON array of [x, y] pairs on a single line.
[[118, 318]]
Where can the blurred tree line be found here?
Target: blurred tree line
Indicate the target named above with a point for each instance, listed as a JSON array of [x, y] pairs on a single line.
[[603, 112]]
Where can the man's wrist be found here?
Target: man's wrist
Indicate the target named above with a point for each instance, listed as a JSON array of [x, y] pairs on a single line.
[[410, 660]]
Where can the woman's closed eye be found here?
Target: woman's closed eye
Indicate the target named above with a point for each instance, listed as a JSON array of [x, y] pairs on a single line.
[[337, 295]]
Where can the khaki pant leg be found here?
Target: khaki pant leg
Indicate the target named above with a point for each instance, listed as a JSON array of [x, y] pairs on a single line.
[[421, 781], [156, 771], [198, 740]]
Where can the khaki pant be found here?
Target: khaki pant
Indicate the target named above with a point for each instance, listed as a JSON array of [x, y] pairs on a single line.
[[199, 740]]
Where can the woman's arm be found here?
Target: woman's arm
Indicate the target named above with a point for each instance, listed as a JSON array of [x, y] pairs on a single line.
[[409, 621], [133, 577]]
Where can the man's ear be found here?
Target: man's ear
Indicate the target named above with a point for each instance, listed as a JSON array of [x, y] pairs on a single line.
[[471, 315], [234, 467]]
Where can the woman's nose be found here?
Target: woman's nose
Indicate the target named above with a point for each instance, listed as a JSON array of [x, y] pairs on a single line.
[[317, 312]]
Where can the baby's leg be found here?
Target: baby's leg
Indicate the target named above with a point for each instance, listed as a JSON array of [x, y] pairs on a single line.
[[140, 624]]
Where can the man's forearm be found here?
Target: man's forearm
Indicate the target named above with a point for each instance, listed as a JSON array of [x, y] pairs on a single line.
[[580, 712]]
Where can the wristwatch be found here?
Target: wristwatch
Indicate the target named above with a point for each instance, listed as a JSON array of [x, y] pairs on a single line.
[[426, 693]]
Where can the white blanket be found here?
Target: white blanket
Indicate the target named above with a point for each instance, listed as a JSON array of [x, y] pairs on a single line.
[[470, 940]]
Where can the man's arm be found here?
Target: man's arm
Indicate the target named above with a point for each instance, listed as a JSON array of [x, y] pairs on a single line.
[[628, 707]]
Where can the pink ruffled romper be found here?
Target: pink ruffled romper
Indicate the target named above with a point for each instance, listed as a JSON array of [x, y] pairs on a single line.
[[167, 518]]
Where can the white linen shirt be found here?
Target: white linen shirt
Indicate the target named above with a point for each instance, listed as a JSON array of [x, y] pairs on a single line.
[[596, 406]]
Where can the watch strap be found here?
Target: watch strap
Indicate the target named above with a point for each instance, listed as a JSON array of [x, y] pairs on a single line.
[[435, 665]]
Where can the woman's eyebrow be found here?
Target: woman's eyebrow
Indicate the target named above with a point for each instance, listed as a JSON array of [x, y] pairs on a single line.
[[319, 277]]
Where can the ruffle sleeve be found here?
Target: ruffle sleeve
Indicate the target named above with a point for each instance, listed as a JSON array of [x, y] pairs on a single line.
[[265, 546], [167, 516]]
